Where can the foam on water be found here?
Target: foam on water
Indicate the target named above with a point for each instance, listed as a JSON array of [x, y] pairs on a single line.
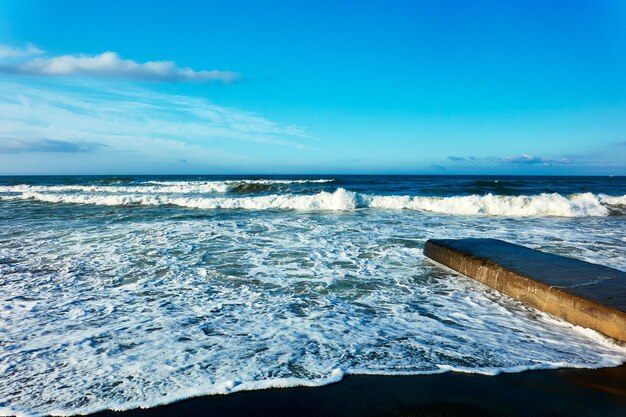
[[575, 205], [140, 312], [205, 187], [542, 205], [161, 187], [106, 307], [258, 181]]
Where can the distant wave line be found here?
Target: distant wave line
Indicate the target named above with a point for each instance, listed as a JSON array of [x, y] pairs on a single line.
[[166, 187]]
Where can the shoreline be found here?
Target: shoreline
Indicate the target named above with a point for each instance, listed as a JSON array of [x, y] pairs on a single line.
[[557, 392]]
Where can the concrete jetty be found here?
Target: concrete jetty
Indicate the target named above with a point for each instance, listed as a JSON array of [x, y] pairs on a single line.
[[585, 294]]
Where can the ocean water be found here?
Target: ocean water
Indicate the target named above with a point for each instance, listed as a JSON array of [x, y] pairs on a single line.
[[125, 292]]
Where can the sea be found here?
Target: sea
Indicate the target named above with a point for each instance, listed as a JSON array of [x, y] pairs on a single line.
[[119, 292]]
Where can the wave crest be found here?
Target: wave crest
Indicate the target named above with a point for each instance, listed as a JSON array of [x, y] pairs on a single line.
[[542, 205], [164, 187]]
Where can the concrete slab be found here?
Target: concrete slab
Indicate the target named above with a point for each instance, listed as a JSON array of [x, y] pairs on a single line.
[[585, 294]]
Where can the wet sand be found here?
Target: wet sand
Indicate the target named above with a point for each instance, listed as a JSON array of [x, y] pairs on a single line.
[[563, 392]]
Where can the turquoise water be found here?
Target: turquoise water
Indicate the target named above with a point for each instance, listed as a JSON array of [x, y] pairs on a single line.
[[119, 292]]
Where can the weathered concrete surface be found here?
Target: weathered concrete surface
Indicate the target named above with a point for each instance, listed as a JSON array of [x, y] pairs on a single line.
[[582, 293]]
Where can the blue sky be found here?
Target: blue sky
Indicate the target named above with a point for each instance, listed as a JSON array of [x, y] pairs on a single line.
[[407, 87]]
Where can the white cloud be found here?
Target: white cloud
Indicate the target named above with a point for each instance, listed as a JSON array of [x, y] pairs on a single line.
[[110, 65], [115, 130], [7, 51]]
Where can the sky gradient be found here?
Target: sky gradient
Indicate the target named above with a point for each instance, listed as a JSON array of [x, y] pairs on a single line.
[[397, 87]]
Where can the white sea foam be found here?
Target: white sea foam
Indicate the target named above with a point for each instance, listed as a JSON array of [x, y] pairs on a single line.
[[613, 200], [237, 182], [576, 205], [121, 314], [542, 205], [175, 188], [156, 187], [113, 312]]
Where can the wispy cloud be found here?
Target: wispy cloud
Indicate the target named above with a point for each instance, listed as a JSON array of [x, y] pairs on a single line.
[[110, 65], [534, 160], [8, 145], [523, 159], [105, 127], [438, 168], [7, 51]]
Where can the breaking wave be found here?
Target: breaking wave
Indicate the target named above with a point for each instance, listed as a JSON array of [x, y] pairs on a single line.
[[172, 188], [542, 205], [259, 181], [164, 187]]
